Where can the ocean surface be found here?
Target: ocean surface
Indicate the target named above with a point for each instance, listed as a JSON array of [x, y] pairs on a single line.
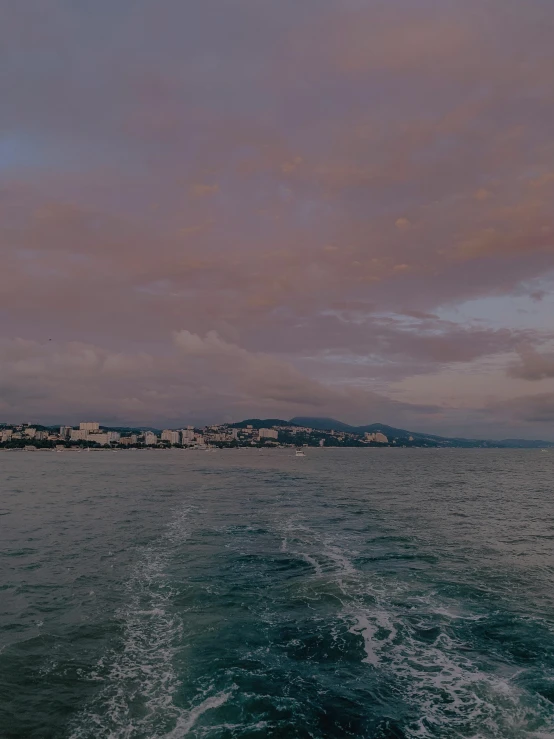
[[351, 593]]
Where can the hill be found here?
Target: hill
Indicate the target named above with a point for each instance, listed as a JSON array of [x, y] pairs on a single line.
[[323, 424], [331, 424]]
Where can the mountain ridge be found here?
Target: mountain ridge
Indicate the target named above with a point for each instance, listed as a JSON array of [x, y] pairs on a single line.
[[332, 424]]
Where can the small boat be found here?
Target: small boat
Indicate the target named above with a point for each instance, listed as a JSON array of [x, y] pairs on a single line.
[[299, 453]]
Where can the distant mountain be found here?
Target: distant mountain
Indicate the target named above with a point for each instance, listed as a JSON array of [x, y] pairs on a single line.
[[323, 424], [331, 424]]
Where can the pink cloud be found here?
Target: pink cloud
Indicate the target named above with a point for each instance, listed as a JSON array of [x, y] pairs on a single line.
[[533, 365], [283, 176]]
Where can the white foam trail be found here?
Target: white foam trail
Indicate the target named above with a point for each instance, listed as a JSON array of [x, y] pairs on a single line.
[[375, 628], [185, 723], [367, 630], [446, 689], [142, 671], [385, 622], [443, 686]]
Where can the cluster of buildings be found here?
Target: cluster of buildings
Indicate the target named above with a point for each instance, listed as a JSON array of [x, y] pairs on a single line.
[[377, 437], [25, 432], [244, 434], [92, 433], [89, 432]]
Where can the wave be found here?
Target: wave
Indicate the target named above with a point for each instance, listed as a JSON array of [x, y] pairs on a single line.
[[408, 642]]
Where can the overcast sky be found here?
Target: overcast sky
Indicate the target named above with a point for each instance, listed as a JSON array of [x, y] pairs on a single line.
[[216, 209]]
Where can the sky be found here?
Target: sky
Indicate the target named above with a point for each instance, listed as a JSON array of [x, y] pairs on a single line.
[[219, 209]]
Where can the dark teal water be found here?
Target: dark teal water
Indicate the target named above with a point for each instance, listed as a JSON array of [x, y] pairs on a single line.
[[352, 593]]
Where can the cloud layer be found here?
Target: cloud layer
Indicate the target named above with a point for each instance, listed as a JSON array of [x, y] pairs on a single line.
[[217, 209]]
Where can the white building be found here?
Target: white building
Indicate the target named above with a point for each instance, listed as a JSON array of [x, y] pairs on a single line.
[[171, 436], [150, 438], [99, 438], [65, 431], [268, 434], [30, 433], [6, 434], [113, 436], [226, 437], [89, 426], [78, 435], [188, 436], [129, 440]]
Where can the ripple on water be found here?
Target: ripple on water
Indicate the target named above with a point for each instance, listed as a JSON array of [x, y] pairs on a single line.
[[249, 607]]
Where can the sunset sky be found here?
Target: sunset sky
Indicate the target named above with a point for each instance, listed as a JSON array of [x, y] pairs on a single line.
[[218, 209]]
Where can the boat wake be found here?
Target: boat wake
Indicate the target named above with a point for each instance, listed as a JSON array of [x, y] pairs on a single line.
[[408, 641], [139, 678], [400, 654]]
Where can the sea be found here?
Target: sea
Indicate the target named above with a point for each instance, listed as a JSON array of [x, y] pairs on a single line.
[[379, 593]]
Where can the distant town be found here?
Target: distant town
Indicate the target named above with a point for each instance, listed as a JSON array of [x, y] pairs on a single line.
[[91, 434], [298, 432]]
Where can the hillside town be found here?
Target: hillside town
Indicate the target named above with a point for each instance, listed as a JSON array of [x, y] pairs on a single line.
[[92, 435]]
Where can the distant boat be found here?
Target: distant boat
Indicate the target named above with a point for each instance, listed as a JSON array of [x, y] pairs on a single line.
[[299, 453]]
